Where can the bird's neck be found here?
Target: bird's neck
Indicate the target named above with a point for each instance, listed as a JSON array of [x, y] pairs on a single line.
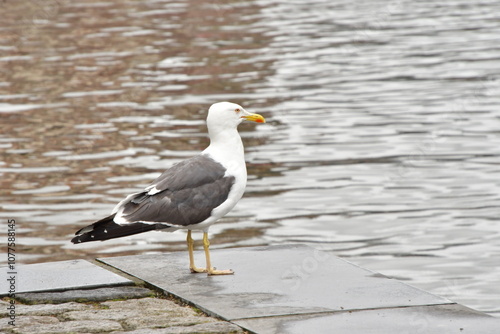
[[225, 146]]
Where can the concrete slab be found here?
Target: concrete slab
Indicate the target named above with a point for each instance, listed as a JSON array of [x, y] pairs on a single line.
[[59, 276], [273, 281], [418, 319]]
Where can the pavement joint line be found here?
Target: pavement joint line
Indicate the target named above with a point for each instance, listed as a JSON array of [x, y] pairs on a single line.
[[341, 311]]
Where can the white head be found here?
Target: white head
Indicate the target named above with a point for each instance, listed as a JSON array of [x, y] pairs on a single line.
[[227, 115]]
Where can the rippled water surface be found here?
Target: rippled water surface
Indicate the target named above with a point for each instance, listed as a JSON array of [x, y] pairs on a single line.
[[382, 141]]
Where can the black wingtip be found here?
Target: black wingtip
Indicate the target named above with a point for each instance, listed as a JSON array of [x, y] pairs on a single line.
[[82, 236], [75, 240], [106, 229]]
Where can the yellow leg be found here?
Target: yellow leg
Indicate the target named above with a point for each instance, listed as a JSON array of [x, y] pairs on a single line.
[[210, 269], [190, 244]]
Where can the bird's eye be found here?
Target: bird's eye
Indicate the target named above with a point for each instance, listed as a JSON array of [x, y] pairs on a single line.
[[237, 110]]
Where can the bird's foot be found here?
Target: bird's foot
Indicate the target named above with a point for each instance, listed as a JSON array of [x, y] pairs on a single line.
[[213, 271], [196, 270]]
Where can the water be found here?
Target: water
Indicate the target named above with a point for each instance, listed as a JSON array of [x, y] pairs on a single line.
[[381, 144]]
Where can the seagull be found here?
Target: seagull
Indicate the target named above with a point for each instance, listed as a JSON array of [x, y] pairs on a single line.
[[192, 195]]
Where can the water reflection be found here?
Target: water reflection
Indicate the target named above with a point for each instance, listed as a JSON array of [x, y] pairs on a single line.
[[382, 144]]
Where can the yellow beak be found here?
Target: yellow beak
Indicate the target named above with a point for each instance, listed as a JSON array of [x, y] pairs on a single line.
[[254, 118]]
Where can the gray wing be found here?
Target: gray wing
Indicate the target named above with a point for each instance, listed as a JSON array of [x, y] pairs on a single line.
[[184, 195]]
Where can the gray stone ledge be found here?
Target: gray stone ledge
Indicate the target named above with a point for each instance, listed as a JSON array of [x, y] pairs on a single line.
[[89, 295]]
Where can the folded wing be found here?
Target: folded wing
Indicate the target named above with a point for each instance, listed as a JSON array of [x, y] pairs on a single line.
[[183, 195]]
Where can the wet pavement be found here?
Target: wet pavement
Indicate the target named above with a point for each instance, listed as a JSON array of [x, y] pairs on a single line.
[[273, 281], [58, 276], [298, 289], [275, 289], [381, 144]]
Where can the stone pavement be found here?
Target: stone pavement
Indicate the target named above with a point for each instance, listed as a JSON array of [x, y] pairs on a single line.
[[298, 289], [63, 275], [279, 289], [81, 297], [145, 315]]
